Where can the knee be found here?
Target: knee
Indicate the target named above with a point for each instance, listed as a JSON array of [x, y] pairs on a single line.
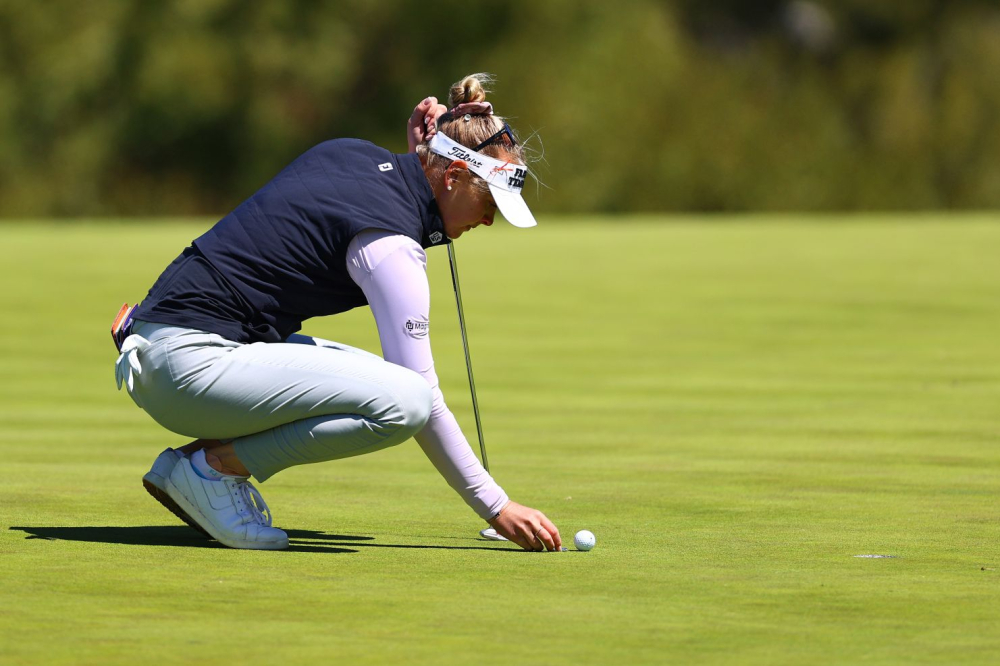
[[415, 399]]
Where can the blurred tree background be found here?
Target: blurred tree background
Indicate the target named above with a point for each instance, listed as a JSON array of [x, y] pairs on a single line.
[[166, 107]]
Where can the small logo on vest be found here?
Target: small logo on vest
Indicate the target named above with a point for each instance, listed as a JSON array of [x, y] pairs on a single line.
[[436, 237], [385, 166], [417, 329]]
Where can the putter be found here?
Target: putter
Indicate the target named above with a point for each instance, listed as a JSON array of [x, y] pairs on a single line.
[[489, 532]]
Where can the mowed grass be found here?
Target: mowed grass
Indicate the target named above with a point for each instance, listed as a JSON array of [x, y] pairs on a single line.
[[736, 407]]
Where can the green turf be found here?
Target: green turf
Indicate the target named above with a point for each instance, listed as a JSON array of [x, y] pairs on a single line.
[[737, 410]]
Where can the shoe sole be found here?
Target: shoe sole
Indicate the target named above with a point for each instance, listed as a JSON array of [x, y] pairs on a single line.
[[174, 493], [171, 505]]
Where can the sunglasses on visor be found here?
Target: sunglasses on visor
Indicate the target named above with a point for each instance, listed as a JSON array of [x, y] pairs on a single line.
[[505, 136]]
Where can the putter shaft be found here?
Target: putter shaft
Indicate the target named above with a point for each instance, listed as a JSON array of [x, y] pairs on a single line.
[[465, 345]]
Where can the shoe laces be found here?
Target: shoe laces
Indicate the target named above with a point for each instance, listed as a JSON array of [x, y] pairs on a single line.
[[255, 503]]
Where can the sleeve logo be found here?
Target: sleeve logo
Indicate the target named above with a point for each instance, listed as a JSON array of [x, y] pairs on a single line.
[[417, 328], [385, 166]]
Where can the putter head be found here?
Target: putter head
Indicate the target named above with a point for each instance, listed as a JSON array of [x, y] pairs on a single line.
[[491, 534]]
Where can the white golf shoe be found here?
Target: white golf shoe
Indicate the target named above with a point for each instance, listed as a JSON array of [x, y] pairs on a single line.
[[161, 469], [155, 482], [229, 509]]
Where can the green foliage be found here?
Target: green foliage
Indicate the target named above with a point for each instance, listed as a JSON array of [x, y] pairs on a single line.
[[182, 106]]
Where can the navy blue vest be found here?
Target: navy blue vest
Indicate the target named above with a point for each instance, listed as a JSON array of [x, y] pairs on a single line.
[[281, 256]]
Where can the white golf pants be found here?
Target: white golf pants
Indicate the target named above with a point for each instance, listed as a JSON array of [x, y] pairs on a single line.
[[302, 401]]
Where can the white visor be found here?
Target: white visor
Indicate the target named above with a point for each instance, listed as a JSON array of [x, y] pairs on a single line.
[[506, 179]]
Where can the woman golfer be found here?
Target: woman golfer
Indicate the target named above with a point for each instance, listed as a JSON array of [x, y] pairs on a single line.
[[212, 352]]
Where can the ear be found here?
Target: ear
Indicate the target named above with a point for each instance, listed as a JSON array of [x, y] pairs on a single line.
[[453, 171]]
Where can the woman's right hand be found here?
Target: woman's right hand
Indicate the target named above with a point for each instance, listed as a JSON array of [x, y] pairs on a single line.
[[527, 527], [422, 124]]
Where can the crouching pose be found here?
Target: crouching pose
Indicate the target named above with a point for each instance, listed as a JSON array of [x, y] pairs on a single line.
[[213, 351]]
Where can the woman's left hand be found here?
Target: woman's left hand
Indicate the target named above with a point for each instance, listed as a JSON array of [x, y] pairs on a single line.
[[528, 528], [422, 124]]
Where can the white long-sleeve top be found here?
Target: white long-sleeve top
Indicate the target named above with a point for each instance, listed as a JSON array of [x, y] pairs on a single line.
[[392, 272]]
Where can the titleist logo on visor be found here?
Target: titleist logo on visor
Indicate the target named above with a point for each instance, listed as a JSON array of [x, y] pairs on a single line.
[[465, 156]]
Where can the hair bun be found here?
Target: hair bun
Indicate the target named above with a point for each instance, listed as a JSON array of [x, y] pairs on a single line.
[[472, 88]]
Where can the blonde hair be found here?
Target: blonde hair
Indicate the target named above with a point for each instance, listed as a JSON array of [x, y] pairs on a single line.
[[471, 130]]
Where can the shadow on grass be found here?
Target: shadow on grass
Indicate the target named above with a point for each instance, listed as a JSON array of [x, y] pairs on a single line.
[[300, 541], [178, 536]]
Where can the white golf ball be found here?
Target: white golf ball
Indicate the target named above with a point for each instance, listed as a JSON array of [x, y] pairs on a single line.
[[584, 540]]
